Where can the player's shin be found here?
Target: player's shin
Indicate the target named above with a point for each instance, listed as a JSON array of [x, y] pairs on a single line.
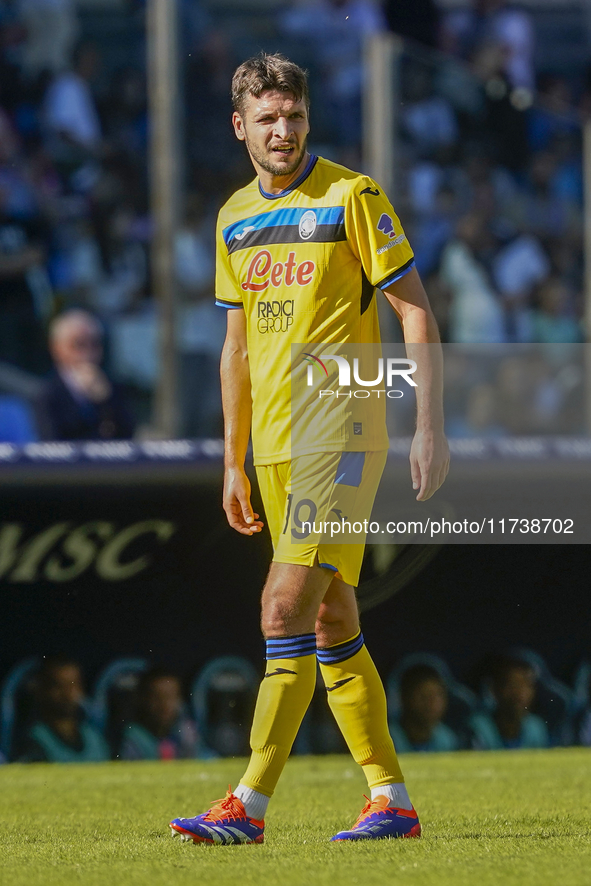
[[357, 699], [284, 697]]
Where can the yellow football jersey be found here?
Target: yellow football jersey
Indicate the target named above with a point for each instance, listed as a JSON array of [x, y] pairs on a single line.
[[304, 265]]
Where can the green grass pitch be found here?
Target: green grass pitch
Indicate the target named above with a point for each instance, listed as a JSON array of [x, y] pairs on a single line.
[[514, 817]]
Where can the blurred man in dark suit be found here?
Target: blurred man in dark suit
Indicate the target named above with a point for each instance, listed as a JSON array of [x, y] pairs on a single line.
[[78, 402]]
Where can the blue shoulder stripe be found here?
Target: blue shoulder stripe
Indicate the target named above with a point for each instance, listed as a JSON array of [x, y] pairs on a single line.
[[283, 226]]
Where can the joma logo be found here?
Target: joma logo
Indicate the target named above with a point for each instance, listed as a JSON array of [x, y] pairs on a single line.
[[64, 551]]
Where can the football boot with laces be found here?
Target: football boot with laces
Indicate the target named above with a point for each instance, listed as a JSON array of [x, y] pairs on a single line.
[[225, 823], [379, 819]]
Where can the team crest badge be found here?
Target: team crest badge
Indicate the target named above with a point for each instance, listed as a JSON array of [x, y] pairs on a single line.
[[307, 224]]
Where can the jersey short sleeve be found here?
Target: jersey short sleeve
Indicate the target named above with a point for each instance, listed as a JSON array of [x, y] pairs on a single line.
[[375, 235], [227, 291]]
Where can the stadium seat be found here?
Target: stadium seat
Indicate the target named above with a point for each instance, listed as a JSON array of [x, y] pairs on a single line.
[[462, 702], [16, 705], [223, 696], [554, 701], [17, 424], [113, 702], [582, 685], [581, 697]]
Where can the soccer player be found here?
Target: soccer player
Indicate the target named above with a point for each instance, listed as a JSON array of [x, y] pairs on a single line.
[[300, 253]]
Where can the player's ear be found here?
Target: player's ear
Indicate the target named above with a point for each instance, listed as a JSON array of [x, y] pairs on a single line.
[[238, 124]]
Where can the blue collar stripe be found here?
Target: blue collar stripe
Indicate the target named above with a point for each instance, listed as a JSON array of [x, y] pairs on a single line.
[[309, 167]]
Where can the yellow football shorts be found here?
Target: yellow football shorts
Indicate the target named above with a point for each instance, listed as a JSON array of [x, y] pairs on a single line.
[[319, 506]]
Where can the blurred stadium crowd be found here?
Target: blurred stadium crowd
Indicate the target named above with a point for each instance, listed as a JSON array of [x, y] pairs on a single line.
[[489, 182], [139, 712]]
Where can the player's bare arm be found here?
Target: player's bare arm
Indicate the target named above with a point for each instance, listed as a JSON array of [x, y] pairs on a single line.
[[429, 454], [237, 406]]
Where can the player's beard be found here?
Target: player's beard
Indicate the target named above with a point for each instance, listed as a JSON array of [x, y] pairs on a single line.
[[263, 158]]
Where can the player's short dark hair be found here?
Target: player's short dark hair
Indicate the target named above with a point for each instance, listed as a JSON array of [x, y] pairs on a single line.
[[268, 71], [418, 674]]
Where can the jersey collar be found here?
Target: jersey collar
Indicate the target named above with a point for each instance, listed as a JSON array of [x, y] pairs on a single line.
[[309, 167]]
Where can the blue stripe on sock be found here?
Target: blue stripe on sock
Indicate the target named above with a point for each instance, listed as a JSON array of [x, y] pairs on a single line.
[[291, 647], [343, 651]]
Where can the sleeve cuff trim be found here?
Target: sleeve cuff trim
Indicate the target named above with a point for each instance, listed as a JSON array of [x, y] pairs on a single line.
[[396, 275], [221, 303]]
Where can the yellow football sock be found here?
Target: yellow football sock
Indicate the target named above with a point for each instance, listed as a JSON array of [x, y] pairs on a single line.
[[357, 699], [284, 697]]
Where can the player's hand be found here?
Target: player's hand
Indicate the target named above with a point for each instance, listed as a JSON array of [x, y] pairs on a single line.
[[239, 512], [429, 462]]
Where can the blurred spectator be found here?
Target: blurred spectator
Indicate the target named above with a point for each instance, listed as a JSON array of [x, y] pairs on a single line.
[[22, 264], [499, 123], [499, 24], [201, 330], [585, 730], [512, 725], [124, 262], [519, 266], [75, 227], [475, 313], [124, 111], [516, 385], [61, 733], [481, 417], [212, 151], [416, 19], [194, 261], [554, 319], [70, 108], [543, 207], [161, 730], [16, 185], [423, 697], [584, 721], [428, 119], [435, 225], [553, 116], [78, 402], [52, 28], [76, 263], [337, 28], [71, 120]]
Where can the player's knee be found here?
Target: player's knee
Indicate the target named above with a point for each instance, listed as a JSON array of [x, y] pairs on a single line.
[[277, 619], [335, 624]]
